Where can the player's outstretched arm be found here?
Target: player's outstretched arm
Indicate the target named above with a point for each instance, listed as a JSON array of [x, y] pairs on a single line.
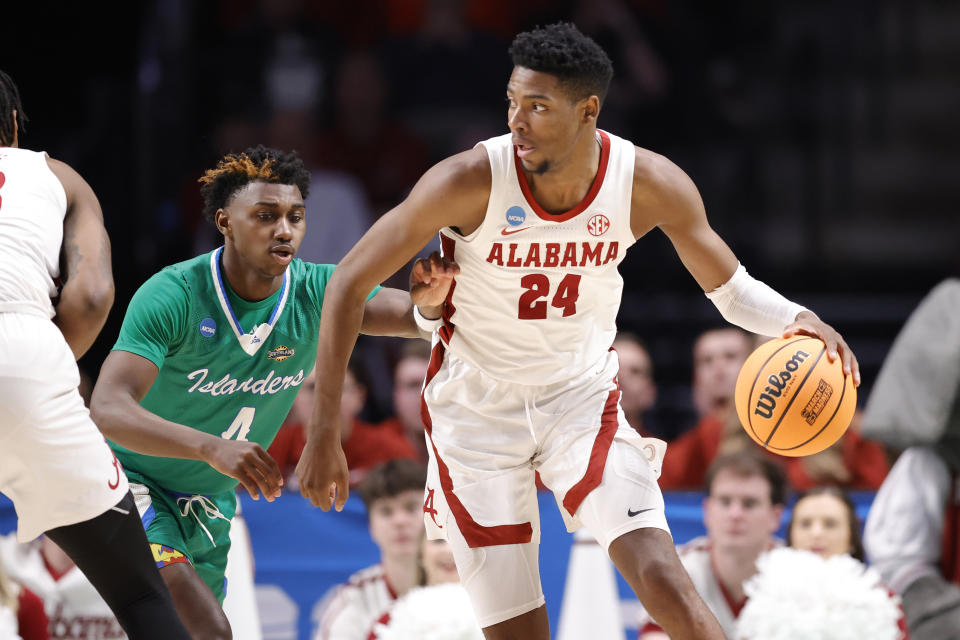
[[87, 293], [452, 193], [115, 407], [665, 197], [390, 311]]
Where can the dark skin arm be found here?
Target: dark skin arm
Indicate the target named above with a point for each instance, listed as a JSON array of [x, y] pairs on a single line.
[[115, 406], [87, 293], [665, 197], [453, 193]]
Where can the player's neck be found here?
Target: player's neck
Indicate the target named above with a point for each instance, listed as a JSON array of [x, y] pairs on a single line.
[[733, 567], [245, 280], [401, 572], [564, 185]]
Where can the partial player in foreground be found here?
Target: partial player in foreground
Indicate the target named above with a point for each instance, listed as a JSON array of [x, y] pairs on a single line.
[[210, 356], [54, 464], [522, 378]]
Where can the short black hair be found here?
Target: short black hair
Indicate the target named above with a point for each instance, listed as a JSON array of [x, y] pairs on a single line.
[[10, 102], [560, 49], [748, 463], [256, 164], [392, 478]]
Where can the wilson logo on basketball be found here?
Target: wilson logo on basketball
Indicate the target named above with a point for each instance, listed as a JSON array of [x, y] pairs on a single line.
[[778, 382], [598, 225]]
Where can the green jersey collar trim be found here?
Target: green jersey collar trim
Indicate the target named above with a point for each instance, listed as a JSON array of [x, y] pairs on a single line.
[[249, 342]]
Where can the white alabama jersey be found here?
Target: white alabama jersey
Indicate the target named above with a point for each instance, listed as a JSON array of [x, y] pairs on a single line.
[[32, 206], [537, 296]]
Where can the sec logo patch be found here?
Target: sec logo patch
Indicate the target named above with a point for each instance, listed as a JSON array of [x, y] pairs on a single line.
[[598, 225]]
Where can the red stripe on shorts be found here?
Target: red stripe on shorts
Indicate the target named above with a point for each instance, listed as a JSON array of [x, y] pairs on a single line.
[[448, 246], [598, 455], [474, 533]]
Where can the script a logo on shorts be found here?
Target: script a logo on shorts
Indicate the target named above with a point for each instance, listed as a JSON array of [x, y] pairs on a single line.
[[598, 225], [429, 509], [280, 353], [208, 328]]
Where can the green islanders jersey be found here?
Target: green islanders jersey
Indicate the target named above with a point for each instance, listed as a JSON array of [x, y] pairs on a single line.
[[228, 367]]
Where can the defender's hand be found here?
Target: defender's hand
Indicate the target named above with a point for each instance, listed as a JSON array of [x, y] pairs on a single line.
[[809, 324], [322, 472], [248, 463], [430, 281]]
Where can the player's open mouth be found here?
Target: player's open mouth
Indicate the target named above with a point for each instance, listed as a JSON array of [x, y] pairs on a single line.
[[523, 150], [282, 254]]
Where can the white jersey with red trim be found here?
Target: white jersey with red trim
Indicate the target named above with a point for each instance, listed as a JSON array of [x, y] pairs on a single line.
[[351, 610], [537, 296], [73, 605], [32, 206]]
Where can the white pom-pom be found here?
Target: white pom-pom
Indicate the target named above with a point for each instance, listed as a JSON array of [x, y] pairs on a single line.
[[797, 595], [442, 612]]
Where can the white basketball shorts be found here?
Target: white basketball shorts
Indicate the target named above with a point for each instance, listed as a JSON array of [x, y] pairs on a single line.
[[54, 462], [487, 439]]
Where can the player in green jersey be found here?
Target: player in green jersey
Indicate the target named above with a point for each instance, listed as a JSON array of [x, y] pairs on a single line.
[[209, 359]]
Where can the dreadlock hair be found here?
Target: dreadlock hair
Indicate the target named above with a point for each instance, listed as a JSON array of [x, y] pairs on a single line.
[[10, 102], [256, 164], [561, 50]]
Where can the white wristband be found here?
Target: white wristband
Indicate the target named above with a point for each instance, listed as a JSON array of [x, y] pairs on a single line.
[[426, 324], [753, 305]]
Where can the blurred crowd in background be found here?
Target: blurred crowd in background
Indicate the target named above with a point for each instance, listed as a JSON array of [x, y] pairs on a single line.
[[822, 136]]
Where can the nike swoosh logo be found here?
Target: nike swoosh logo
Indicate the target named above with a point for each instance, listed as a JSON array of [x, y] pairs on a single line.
[[631, 513], [510, 232]]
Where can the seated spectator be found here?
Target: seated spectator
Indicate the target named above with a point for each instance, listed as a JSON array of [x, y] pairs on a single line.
[[638, 391], [718, 355], [364, 445], [393, 494], [825, 522], [64, 595], [913, 530], [852, 462], [835, 594], [746, 492], [408, 379], [439, 610]]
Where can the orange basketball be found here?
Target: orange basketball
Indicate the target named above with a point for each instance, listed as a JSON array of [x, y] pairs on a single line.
[[791, 399]]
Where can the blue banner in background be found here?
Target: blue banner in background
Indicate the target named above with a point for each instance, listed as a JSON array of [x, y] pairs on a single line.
[[301, 552]]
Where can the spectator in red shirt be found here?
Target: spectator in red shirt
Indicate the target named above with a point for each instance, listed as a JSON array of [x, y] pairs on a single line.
[[364, 445], [852, 462], [408, 379], [718, 355]]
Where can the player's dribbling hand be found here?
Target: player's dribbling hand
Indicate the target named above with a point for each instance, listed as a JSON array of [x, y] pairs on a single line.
[[430, 282], [808, 324], [248, 463], [323, 476]]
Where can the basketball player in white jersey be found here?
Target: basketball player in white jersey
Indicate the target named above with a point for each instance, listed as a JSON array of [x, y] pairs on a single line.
[[522, 378], [54, 463]]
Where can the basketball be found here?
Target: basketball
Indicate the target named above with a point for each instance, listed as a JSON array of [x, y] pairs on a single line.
[[791, 399]]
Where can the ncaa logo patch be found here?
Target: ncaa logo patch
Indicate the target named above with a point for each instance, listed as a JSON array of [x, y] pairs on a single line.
[[280, 353], [598, 225], [208, 328], [515, 216]]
